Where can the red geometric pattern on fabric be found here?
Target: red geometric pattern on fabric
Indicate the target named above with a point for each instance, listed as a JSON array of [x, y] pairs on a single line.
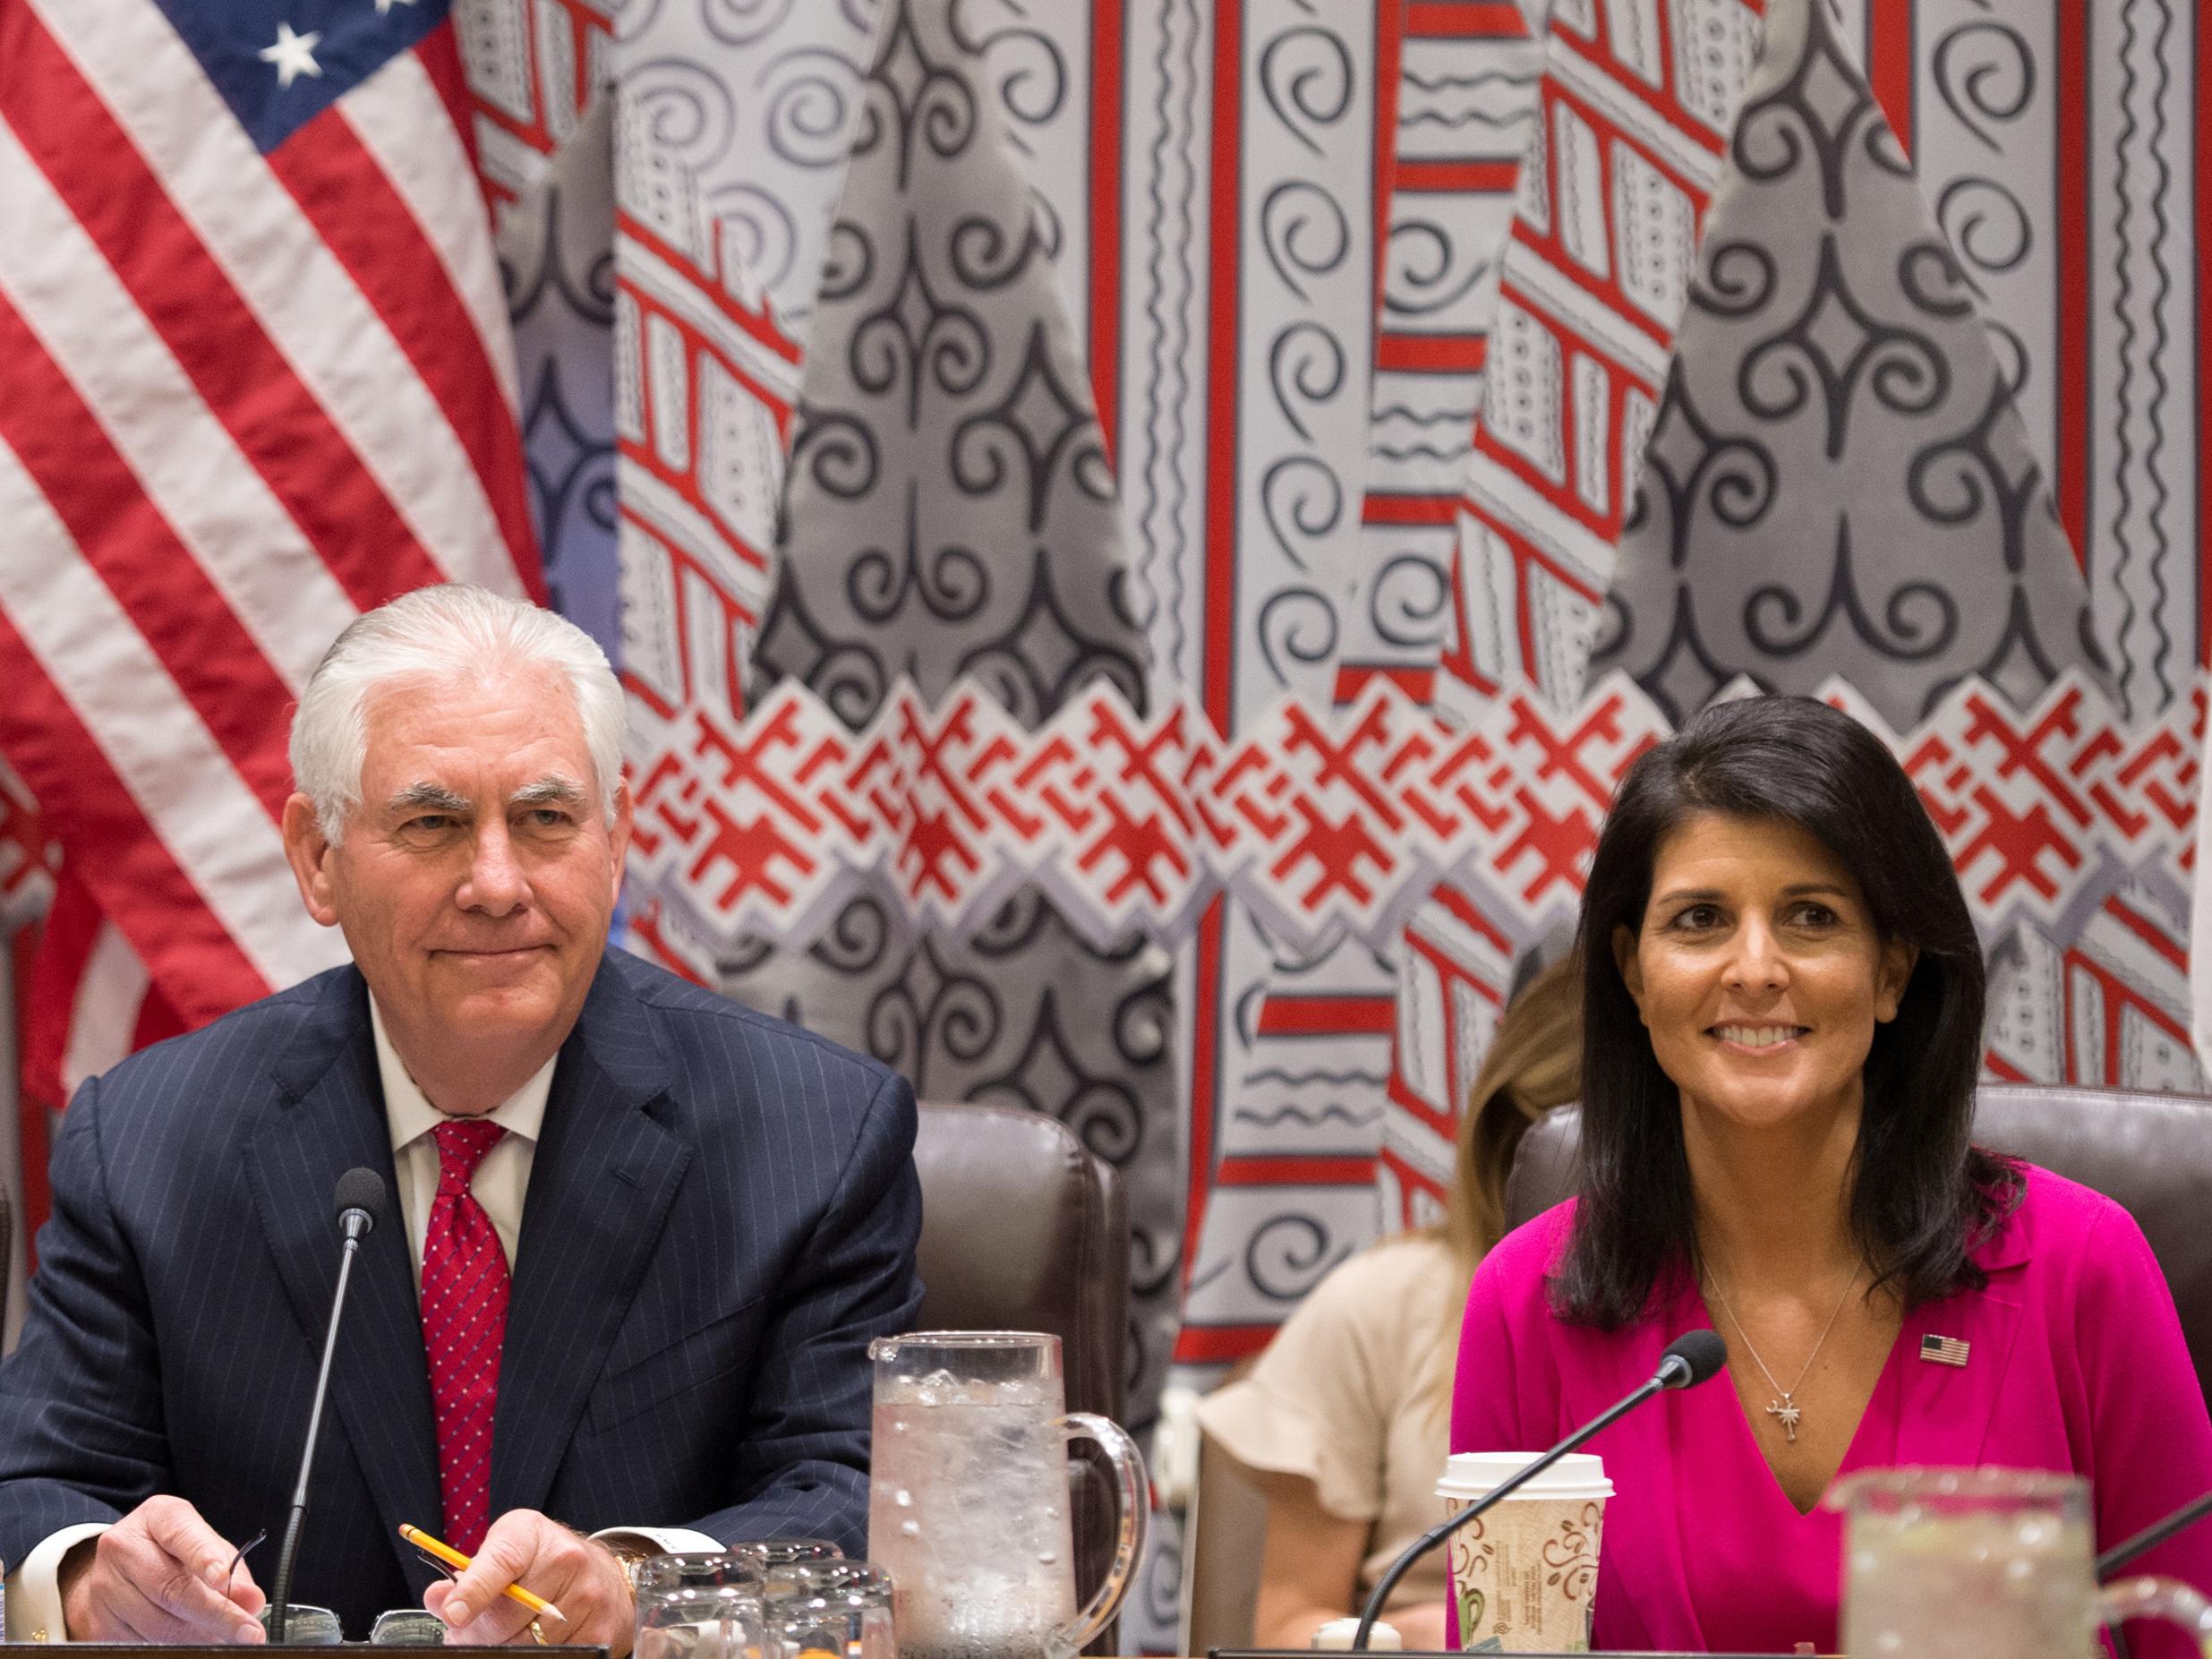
[[1457, 970], [1320, 820], [701, 609], [1323, 820], [1614, 187], [1448, 141], [706, 385], [2036, 806], [2110, 1007], [464, 1293], [532, 69], [719, 239], [706, 377], [2127, 1001]]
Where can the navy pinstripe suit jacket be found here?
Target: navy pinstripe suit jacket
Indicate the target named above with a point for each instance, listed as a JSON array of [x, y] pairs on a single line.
[[722, 1211]]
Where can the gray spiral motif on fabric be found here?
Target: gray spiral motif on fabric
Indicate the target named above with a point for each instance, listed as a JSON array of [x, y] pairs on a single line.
[[1302, 228], [1305, 76], [1290, 1254], [811, 96], [743, 23], [685, 111]]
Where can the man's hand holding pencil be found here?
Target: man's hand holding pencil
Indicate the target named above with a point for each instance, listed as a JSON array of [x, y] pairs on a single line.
[[583, 1579]]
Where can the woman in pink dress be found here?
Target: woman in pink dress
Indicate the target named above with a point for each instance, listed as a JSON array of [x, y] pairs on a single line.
[[1782, 1024]]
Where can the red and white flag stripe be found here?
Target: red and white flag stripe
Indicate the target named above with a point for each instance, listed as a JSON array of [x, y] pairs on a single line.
[[249, 396], [91, 1002]]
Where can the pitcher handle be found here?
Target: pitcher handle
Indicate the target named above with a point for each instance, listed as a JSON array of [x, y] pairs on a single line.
[[1131, 1491], [2158, 1598]]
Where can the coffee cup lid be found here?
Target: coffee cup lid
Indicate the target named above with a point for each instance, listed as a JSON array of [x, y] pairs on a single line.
[[1475, 1474]]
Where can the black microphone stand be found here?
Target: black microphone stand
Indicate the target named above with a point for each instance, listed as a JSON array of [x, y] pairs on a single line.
[[2142, 1544], [1504, 1489], [356, 1222], [2152, 1536]]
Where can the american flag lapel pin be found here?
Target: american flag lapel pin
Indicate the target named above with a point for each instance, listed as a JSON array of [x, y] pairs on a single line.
[[1945, 1350]]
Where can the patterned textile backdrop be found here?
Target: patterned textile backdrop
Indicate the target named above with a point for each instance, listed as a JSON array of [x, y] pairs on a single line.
[[1141, 534], [1149, 530]]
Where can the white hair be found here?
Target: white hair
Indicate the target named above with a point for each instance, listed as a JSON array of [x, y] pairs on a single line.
[[453, 632]]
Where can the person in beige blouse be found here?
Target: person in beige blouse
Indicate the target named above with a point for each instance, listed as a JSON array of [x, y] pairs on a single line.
[[1342, 1420]]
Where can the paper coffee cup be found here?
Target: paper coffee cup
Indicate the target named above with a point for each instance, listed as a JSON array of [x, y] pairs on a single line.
[[1523, 1575]]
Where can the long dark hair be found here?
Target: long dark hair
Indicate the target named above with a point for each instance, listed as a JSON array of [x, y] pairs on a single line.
[[1922, 1196]]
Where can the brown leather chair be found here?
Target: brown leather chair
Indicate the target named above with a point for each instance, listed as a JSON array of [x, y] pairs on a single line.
[[1024, 1229], [2152, 1153], [1223, 1531]]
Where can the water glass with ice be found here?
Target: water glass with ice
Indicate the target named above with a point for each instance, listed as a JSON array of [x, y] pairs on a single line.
[[1986, 1564], [969, 1502]]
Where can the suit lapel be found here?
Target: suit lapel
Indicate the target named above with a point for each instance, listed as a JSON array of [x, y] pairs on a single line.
[[1945, 1411], [601, 1186], [328, 1117]]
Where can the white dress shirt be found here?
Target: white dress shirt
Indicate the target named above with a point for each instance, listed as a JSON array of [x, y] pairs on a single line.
[[502, 1176], [501, 1180]]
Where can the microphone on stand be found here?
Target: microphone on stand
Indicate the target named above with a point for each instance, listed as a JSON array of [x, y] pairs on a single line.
[[1690, 1359], [2152, 1536], [360, 1203]]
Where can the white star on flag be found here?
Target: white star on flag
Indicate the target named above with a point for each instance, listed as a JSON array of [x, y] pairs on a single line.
[[293, 55], [383, 7]]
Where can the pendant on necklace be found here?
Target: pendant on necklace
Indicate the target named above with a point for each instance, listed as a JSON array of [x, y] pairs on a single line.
[[1785, 1412]]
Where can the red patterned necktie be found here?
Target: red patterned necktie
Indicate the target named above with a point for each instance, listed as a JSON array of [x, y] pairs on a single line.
[[465, 1284]]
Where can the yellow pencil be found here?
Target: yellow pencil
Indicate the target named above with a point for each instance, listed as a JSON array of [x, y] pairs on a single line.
[[459, 1562]]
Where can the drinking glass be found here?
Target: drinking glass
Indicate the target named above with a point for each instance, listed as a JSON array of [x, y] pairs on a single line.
[[702, 1606], [786, 1551], [1986, 1564], [968, 1501], [840, 1609]]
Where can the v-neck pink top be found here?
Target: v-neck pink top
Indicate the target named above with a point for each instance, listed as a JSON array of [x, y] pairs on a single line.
[[2075, 1362]]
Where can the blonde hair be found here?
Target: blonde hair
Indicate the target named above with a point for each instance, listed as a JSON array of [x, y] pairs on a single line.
[[1535, 1064]]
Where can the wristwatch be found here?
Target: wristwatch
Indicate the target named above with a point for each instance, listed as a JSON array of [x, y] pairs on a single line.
[[632, 1558]]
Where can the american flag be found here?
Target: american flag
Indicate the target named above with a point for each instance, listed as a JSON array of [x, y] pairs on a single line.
[[255, 376], [1945, 1350]]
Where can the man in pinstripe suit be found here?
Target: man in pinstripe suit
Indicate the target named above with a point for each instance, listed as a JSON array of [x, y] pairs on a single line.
[[680, 1222]]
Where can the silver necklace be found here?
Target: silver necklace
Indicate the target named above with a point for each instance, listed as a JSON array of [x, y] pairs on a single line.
[[1786, 1410]]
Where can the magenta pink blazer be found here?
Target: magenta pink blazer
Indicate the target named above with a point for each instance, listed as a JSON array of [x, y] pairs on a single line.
[[2076, 1362]]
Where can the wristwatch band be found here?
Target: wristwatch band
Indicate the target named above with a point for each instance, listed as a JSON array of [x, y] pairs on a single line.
[[633, 1559]]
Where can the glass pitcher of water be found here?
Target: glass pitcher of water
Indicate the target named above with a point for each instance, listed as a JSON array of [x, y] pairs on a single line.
[[969, 1502], [1986, 1564]]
